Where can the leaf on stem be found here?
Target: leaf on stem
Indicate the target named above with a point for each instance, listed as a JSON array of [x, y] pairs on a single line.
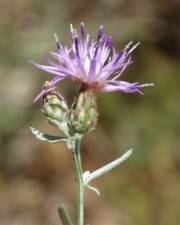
[[64, 216], [46, 137], [93, 189], [87, 176]]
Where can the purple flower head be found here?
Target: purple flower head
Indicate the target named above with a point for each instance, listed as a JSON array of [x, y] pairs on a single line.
[[89, 63]]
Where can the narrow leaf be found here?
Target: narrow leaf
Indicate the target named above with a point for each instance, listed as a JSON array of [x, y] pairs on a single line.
[[93, 189], [64, 216], [46, 137], [108, 167]]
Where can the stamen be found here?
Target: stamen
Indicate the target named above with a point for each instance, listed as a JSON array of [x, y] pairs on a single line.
[[132, 49], [87, 39], [92, 45], [71, 28], [57, 41], [122, 70], [82, 31], [96, 50], [100, 33], [108, 41], [76, 42], [147, 85], [72, 33], [120, 55], [127, 46]]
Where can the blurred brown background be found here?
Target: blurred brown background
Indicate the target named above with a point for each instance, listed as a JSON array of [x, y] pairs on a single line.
[[35, 178]]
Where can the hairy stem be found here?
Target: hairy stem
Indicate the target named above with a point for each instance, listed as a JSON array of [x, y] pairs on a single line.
[[79, 183]]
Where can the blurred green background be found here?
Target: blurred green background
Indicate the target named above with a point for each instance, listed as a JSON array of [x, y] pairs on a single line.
[[35, 178]]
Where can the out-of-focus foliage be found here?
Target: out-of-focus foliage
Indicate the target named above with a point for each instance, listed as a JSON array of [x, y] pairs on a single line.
[[34, 177]]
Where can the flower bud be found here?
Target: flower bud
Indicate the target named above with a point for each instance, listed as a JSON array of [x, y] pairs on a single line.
[[83, 117], [55, 108]]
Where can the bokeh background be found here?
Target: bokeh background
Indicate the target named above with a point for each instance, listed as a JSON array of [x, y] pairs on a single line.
[[35, 178]]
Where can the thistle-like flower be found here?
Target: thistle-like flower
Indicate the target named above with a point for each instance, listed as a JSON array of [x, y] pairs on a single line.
[[91, 63]]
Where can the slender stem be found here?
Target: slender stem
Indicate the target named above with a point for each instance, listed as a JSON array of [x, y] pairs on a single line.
[[79, 182]]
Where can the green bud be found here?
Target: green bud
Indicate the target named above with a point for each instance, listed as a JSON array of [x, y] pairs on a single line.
[[83, 116], [55, 109]]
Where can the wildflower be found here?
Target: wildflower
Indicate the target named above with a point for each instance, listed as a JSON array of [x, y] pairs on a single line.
[[90, 64]]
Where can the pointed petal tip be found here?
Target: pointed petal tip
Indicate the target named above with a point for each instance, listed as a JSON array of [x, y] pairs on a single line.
[[57, 41], [34, 131], [140, 92], [144, 85], [35, 99], [31, 61], [39, 96], [147, 85], [101, 27], [75, 35], [71, 27], [129, 152], [35, 63], [56, 37], [31, 128], [100, 32]]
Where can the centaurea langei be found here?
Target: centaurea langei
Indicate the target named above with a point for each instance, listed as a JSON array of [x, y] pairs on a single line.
[[97, 69], [89, 63]]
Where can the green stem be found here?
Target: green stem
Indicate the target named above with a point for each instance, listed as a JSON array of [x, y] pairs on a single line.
[[79, 182]]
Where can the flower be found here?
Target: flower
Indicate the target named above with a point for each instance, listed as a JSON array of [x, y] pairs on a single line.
[[90, 64]]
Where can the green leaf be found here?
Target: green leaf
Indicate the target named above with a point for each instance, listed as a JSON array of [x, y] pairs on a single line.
[[46, 137], [93, 189], [64, 216], [87, 176]]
